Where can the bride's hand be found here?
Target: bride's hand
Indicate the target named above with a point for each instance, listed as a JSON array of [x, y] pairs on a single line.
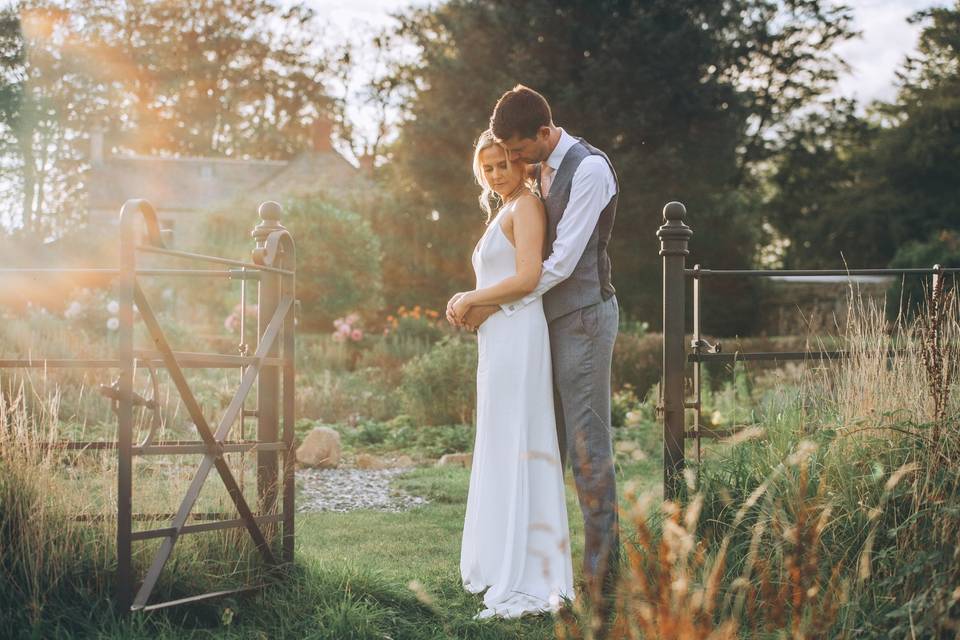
[[451, 317], [460, 307]]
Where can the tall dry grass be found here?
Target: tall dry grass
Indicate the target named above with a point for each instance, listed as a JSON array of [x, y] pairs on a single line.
[[838, 518], [58, 523]]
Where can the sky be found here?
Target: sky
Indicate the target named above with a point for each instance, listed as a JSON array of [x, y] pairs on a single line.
[[873, 58]]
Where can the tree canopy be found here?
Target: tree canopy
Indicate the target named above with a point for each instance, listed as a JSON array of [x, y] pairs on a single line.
[[867, 186], [683, 95]]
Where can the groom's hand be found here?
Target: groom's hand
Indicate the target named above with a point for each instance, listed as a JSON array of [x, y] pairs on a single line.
[[477, 315]]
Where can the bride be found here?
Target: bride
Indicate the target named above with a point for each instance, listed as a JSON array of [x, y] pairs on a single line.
[[516, 540]]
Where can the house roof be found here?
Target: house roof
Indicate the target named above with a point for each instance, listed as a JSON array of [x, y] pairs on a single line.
[[188, 184]]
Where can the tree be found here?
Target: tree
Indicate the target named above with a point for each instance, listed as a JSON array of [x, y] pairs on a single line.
[[680, 93], [44, 105], [215, 77], [868, 186], [199, 77]]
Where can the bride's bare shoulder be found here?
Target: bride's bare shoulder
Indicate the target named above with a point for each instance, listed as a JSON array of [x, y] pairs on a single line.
[[529, 202]]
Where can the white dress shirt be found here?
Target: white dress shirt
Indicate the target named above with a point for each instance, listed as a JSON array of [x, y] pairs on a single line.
[[590, 192]]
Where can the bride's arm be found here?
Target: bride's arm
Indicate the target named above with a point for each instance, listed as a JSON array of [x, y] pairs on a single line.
[[529, 230]]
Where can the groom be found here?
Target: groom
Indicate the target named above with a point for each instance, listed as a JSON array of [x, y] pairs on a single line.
[[580, 189]]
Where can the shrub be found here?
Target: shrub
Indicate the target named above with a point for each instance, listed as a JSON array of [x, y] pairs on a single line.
[[338, 261], [636, 361], [347, 397], [439, 387], [391, 352], [623, 403], [942, 248]]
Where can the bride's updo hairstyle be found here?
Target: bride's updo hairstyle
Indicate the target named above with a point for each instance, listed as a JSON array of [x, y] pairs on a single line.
[[489, 199]]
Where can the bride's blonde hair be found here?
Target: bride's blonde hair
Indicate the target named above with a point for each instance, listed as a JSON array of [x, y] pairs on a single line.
[[490, 200]]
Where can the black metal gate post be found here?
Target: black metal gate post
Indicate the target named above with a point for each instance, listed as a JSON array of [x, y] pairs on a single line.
[[674, 236]]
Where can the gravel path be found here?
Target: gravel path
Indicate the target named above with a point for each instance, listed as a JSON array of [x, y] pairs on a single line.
[[350, 489]]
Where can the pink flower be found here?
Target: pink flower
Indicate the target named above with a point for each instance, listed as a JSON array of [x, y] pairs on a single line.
[[353, 318], [231, 322], [357, 335], [344, 330]]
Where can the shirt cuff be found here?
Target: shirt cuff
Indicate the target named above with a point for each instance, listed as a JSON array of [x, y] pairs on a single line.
[[509, 308]]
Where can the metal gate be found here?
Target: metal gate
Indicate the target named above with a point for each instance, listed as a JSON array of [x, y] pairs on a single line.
[[270, 367], [675, 237]]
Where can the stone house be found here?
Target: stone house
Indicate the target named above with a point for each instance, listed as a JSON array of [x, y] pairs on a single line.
[[184, 189]]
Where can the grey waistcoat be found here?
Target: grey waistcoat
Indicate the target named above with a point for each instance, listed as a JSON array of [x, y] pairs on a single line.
[[590, 281]]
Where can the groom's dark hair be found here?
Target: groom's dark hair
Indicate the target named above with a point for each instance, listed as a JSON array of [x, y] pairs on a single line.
[[520, 112]]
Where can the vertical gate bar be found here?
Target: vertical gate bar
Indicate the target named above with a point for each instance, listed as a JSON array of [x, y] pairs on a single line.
[[125, 290], [289, 417], [242, 349], [698, 415], [268, 384], [674, 236]]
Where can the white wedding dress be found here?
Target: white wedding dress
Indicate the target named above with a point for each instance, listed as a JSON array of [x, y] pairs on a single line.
[[516, 538]]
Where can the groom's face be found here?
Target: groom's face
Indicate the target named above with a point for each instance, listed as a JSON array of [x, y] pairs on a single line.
[[529, 150]]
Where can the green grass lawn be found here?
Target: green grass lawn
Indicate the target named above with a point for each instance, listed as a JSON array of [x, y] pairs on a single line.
[[354, 570], [424, 545]]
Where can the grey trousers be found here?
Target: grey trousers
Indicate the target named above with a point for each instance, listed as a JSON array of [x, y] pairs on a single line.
[[581, 345]]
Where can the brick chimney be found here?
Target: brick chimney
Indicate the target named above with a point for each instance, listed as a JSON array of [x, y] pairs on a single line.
[[320, 132]]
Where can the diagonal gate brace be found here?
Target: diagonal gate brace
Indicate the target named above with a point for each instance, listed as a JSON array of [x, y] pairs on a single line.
[[214, 455]]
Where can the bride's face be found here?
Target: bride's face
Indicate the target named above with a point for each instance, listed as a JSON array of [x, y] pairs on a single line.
[[501, 175]]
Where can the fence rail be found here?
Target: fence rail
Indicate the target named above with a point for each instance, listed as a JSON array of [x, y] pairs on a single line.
[[270, 367], [672, 406]]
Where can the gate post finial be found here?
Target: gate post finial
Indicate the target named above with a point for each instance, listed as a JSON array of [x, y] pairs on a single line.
[[265, 252], [269, 212], [674, 237]]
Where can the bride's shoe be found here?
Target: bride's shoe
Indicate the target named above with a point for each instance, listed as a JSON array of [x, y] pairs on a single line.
[[485, 614]]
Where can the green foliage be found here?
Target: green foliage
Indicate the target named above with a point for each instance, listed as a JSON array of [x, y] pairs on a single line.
[[439, 387], [364, 394], [867, 186], [622, 404], [636, 361], [402, 434], [729, 64], [338, 261], [942, 248], [222, 83]]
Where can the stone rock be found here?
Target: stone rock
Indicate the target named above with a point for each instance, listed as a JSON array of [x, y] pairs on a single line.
[[367, 461], [403, 461], [321, 448], [625, 446], [456, 460]]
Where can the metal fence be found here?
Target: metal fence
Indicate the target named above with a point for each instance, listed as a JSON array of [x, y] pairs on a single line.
[[673, 405], [270, 367]]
